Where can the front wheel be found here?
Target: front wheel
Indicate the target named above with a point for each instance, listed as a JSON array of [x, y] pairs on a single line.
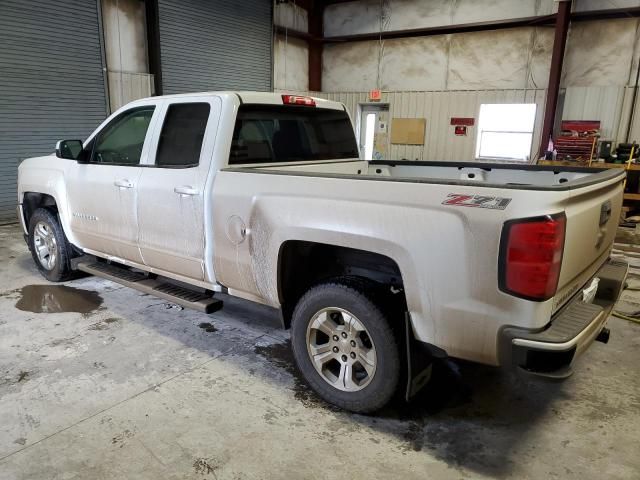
[[345, 347], [49, 246]]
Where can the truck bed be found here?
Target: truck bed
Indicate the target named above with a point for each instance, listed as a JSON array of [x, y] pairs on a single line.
[[417, 214], [512, 176]]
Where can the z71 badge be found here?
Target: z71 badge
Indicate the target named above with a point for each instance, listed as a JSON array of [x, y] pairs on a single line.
[[480, 201]]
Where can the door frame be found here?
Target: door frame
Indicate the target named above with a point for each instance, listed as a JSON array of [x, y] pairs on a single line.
[[85, 237], [362, 106], [203, 172]]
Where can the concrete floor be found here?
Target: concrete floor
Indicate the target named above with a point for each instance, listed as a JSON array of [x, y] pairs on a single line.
[[123, 385]]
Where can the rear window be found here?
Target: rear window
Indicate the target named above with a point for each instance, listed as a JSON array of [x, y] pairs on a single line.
[[275, 133]]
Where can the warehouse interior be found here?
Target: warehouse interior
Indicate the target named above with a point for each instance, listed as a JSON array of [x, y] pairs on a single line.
[[98, 380]]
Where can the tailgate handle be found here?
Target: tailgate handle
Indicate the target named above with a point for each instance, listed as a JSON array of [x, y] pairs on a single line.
[[605, 212]]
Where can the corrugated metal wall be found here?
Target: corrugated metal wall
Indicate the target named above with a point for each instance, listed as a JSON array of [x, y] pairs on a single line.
[[215, 45], [634, 133], [438, 108], [610, 105], [596, 103], [51, 82]]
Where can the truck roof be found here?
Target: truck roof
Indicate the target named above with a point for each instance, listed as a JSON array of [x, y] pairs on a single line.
[[267, 98]]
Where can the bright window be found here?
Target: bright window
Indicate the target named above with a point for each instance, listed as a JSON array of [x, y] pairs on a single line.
[[505, 131], [369, 128]]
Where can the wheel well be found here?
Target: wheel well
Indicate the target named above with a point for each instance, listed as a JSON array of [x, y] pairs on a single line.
[[32, 201], [302, 264]]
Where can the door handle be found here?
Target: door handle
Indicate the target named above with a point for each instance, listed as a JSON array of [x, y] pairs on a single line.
[[185, 190], [123, 183]]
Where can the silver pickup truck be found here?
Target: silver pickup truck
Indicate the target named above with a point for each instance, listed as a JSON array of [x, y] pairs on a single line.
[[378, 267]]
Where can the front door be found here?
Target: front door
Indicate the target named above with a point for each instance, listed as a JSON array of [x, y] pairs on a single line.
[[103, 192], [171, 205]]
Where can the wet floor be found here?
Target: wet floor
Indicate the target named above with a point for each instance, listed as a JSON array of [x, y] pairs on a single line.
[[208, 327], [281, 356], [446, 388], [57, 299], [140, 387]]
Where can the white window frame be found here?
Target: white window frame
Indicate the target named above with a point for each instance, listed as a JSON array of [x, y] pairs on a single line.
[[525, 126]]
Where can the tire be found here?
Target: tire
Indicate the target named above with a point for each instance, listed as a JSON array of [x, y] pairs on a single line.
[[49, 247], [363, 388]]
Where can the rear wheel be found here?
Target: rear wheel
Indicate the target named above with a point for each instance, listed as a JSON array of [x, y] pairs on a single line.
[[49, 246], [345, 347]]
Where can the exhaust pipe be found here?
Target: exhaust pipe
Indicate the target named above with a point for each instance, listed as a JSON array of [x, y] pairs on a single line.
[[603, 336]]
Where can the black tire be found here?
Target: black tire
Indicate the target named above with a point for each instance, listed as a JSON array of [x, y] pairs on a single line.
[[352, 297], [61, 268]]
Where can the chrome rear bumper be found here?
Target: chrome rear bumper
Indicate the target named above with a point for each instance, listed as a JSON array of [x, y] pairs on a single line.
[[549, 352]]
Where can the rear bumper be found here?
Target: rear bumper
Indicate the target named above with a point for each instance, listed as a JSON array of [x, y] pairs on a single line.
[[551, 351]]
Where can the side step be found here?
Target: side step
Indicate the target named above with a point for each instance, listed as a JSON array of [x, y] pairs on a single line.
[[139, 281]]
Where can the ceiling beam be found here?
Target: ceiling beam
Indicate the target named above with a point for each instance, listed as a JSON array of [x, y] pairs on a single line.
[[290, 32], [538, 21], [608, 14], [546, 20], [331, 2], [305, 4]]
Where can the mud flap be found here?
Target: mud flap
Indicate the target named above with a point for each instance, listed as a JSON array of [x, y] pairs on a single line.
[[420, 357]]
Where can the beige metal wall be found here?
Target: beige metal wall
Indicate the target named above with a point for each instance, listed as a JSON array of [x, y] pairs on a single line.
[[438, 108], [624, 122], [595, 103], [610, 105]]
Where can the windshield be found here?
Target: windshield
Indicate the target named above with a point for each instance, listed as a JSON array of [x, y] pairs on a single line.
[[279, 133]]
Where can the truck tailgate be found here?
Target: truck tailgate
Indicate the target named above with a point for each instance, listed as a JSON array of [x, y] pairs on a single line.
[[592, 219]]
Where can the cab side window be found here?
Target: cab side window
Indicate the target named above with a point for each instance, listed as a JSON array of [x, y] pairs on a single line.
[[121, 141], [182, 135]]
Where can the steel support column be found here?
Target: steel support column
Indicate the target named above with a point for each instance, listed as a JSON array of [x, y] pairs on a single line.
[[555, 72], [316, 14]]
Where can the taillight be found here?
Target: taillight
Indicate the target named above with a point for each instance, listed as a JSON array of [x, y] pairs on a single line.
[[531, 256], [298, 100]]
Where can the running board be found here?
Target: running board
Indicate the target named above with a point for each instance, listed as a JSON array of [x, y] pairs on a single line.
[[139, 281]]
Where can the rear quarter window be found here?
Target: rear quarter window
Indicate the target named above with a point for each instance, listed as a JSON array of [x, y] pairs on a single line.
[[182, 135]]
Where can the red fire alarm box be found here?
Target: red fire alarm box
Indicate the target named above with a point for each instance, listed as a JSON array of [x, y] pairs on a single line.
[[461, 130], [375, 94]]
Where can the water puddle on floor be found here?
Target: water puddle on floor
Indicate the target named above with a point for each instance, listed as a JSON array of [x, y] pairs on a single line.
[[57, 299]]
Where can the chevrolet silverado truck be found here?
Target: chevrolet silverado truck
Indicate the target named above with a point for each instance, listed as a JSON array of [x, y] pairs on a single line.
[[377, 267]]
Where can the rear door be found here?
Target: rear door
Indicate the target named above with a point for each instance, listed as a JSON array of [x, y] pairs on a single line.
[[171, 193]]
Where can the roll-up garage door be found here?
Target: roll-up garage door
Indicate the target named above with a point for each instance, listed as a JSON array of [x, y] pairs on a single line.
[[51, 82], [215, 45]]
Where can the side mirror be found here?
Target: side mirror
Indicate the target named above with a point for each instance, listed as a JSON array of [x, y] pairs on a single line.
[[69, 149]]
